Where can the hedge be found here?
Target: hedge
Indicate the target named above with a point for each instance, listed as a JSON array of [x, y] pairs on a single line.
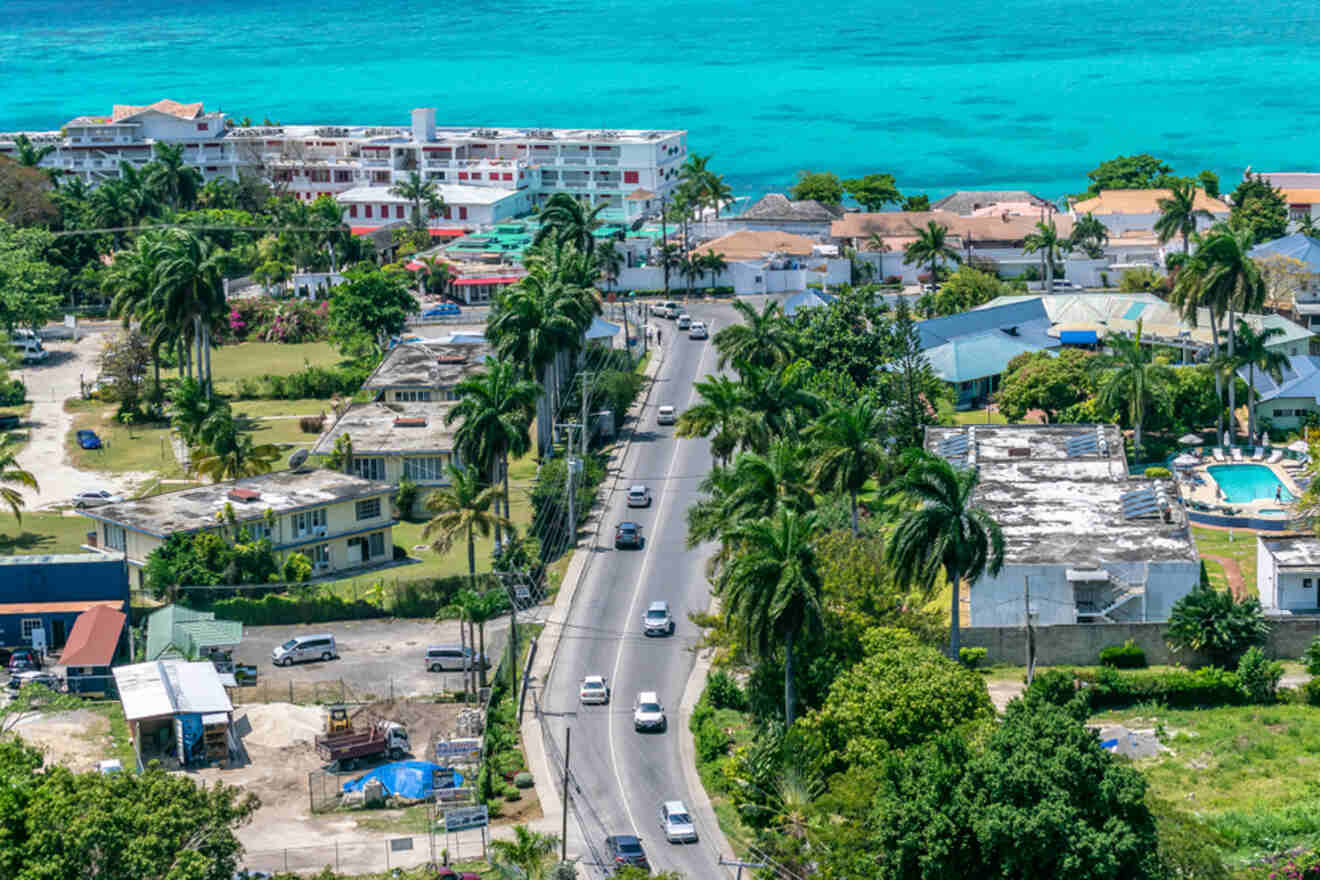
[[322, 382], [1108, 688], [1125, 656], [421, 599]]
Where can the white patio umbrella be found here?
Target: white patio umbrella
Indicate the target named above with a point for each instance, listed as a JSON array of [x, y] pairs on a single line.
[[1185, 461], [1190, 440], [1228, 439], [1299, 446]]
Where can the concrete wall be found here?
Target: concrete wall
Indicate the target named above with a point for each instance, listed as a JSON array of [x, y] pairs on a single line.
[[1080, 644], [999, 601]]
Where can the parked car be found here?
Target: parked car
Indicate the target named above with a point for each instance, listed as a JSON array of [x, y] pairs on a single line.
[[23, 659], [299, 648], [656, 621], [698, 330], [594, 691], [672, 310], [684, 321], [444, 310], [626, 849], [31, 350], [455, 658], [639, 496], [648, 714], [628, 534], [88, 439], [677, 823], [666, 415], [96, 498], [20, 680]]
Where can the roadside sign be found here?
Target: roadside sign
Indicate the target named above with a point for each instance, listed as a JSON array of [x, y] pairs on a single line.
[[454, 795], [461, 818], [463, 749], [401, 844]]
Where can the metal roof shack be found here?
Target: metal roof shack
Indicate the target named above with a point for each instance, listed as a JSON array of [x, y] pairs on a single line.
[[170, 687]]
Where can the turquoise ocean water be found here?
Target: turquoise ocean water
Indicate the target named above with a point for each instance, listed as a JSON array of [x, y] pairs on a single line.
[[945, 94]]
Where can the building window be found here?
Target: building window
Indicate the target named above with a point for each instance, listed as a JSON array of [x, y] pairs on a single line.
[[366, 210], [202, 126], [448, 212], [462, 175], [369, 509], [462, 212], [630, 177], [321, 556], [1306, 583], [377, 544], [309, 521], [115, 537], [508, 175], [412, 396], [476, 175], [369, 468], [257, 530], [352, 210], [29, 625], [428, 469], [398, 211]]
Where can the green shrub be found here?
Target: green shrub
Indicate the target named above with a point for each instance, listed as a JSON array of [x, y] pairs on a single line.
[[1124, 656], [1108, 688], [1311, 692], [971, 657], [710, 740], [297, 568], [1055, 686], [523, 780], [12, 392], [1209, 622], [722, 692], [406, 496], [1312, 656], [1156, 472], [417, 599], [1259, 676]]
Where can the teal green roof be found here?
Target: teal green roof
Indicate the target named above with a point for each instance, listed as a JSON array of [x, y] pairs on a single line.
[[178, 631]]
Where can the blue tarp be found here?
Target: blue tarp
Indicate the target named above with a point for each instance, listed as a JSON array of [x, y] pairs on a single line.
[[410, 779], [1077, 337]]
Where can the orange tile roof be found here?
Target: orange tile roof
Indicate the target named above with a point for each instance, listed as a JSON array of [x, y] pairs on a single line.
[[55, 607], [94, 637], [172, 108], [1301, 196], [1140, 201], [899, 227], [752, 244]]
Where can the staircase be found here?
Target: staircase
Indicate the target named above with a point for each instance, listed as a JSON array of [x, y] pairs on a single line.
[[1122, 592]]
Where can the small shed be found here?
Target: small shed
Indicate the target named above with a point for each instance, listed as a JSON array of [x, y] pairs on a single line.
[[175, 631], [176, 709], [97, 638]]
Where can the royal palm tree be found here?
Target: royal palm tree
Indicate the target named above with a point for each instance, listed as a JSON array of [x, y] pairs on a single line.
[[771, 587], [781, 400], [191, 293], [423, 194], [528, 851], [1049, 244], [433, 276], [668, 257], [763, 339], [1130, 378], [1089, 236], [849, 448], [113, 206], [876, 242], [494, 416], [944, 530], [231, 453], [130, 280], [462, 509], [169, 178], [13, 475], [566, 220], [764, 483], [930, 246], [1178, 214], [1253, 352]]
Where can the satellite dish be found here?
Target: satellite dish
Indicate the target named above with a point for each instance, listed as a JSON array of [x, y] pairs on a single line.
[[298, 459]]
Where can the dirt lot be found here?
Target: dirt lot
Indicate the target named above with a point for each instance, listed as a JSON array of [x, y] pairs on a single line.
[[77, 739], [376, 658]]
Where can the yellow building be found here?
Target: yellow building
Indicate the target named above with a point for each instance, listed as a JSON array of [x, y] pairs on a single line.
[[339, 521]]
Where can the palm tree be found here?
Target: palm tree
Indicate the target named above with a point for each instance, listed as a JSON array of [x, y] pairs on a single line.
[[528, 851], [480, 609], [494, 412], [763, 339], [931, 246], [1130, 378], [850, 448], [28, 154], [170, 178], [191, 293], [13, 475], [1254, 351], [462, 509], [610, 261], [764, 483], [720, 411], [231, 453], [771, 587], [876, 242], [434, 274], [781, 400], [1090, 236], [946, 530], [713, 263], [566, 220], [668, 258], [1306, 226], [131, 282], [1178, 214], [1047, 241], [423, 194]]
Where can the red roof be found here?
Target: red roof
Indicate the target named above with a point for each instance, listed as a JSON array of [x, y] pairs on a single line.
[[499, 279], [94, 638], [362, 230], [447, 233]]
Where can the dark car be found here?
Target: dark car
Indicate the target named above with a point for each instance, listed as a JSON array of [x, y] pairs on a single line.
[[24, 659], [627, 534], [444, 310], [9, 421], [88, 439], [625, 849]]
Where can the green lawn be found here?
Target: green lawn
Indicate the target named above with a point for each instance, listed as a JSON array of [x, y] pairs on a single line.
[[40, 533], [138, 448], [19, 436], [250, 359], [1248, 770], [978, 417], [276, 421], [1242, 549]]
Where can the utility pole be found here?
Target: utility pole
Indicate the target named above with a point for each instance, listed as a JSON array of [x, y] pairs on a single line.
[[1031, 632], [585, 374], [563, 827], [572, 506]]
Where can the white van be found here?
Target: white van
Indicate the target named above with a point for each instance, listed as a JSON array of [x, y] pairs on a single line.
[[453, 657], [300, 648], [29, 347]]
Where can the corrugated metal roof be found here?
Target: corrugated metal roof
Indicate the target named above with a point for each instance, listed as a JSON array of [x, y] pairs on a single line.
[[170, 687], [984, 354], [1301, 378], [175, 629], [1296, 246], [938, 331]]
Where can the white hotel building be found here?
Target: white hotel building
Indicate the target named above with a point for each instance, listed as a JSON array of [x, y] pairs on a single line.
[[469, 165]]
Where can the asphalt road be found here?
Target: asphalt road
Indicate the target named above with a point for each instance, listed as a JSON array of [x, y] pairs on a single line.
[[625, 775]]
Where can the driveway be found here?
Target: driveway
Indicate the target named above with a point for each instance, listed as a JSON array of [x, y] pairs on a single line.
[[49, 384]]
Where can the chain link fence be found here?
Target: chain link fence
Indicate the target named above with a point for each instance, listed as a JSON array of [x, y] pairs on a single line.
[[355, 857]]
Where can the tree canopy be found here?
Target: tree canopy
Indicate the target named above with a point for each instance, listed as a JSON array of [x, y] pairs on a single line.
[[874, 191], [1140, 171], [822, 186], [966, 289], [1046, 382], [370, 303], [1259, 208]]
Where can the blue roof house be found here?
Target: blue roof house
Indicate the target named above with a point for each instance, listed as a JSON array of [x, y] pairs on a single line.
[[1282, 405], [971, 350], [1305, 250], [42, 596]]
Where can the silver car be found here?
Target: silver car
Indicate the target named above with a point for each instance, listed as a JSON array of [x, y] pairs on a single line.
[[657, 621], [639, 496], [96, 498]]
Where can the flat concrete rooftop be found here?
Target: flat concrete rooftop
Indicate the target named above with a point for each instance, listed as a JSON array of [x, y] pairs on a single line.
[[427, 364], [380, 428], [1298, 551], [1057, 508]]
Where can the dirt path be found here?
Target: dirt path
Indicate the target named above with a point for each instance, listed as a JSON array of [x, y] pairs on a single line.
[[1233, 573]]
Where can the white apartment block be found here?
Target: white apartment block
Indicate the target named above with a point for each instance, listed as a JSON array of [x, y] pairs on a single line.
[[308, 161]]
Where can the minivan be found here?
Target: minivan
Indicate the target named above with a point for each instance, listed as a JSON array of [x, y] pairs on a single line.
[[30, 349], [300, 648], [440, 658]]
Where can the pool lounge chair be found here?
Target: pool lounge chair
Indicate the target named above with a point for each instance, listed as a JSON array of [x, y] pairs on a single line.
[[1275, 456], [1237, 454], [1258, 454], [1218, 453]]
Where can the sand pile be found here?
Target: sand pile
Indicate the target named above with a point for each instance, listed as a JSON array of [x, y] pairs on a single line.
[[277, 725]]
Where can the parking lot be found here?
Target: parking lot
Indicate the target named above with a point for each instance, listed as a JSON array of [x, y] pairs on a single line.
[[377, 658]]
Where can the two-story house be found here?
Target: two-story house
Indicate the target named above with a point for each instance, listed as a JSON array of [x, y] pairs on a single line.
[[339, 521], [425, 372]]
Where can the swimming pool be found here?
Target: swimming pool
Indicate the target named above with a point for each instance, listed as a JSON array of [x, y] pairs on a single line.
[[1241, 483]]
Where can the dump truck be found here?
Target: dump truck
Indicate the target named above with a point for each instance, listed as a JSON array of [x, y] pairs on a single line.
[[347, 750]]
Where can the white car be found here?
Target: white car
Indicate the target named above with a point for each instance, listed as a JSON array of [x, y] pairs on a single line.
[[684, 321], [594, 691], [656, 621], [666, 415], [698, 330], [639, 496], [677, 823], [95, 498], [648, 714]]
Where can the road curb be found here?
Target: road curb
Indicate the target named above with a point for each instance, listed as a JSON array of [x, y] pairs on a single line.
[[548, 643]]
